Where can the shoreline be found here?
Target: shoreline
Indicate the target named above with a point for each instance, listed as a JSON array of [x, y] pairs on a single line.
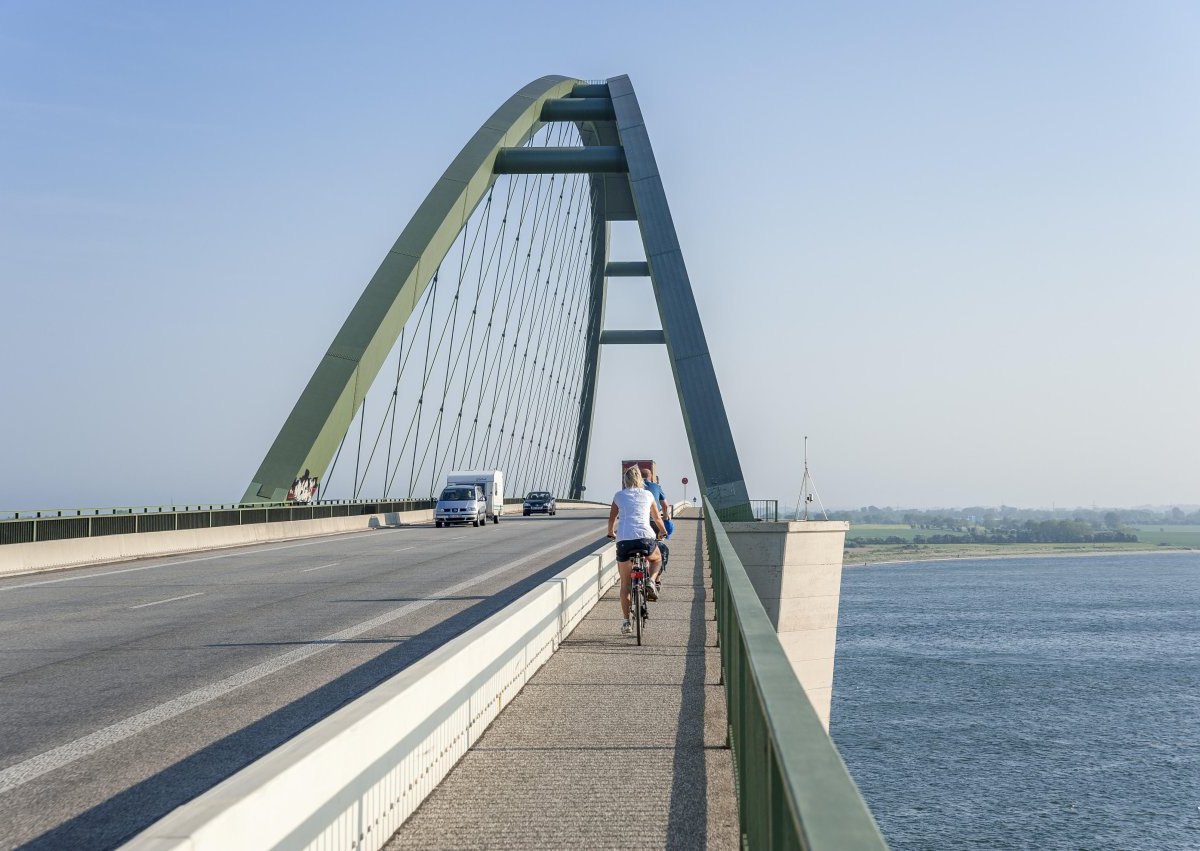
[[1027, 554]]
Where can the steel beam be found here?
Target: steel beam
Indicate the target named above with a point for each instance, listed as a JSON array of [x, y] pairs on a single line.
[[618, 203], [713, 449], [600, 159], [578, 109], [591, 366], [589, 90], [624, 337], [628, 269]]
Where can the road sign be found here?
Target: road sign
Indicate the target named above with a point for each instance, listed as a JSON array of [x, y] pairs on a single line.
[[685, 480]]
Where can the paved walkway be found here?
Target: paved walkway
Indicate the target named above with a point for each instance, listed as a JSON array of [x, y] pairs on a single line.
[[571, 764]]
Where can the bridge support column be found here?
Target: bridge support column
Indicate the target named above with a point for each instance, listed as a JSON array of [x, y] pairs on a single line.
[[796, 568]]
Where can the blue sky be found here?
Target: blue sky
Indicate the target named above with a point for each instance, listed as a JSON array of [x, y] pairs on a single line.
[[954, 243]]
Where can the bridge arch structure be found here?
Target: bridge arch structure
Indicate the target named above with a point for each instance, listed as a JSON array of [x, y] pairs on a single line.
[[614, 177]]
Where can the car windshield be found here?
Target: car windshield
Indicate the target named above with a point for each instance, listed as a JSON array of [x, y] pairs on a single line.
[[458, 494], [539, 495]]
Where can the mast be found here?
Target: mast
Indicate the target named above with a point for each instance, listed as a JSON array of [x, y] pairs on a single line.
[[808, 489]]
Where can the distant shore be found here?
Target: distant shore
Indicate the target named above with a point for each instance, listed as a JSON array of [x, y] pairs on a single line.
[[873, 555]]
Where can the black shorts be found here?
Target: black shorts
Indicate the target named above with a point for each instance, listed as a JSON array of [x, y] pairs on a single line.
[[626, 549]]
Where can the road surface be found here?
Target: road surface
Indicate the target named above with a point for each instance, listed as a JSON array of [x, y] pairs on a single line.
[[128, 689]]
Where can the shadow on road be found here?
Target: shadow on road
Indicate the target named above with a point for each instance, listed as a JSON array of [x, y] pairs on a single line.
[[127, 813]]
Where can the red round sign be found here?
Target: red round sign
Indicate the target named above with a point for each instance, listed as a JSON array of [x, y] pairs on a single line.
[[685, 480]]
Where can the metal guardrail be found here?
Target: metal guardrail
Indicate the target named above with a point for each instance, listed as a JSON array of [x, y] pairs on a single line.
[[756, 509], [793, 789], [62, 524]]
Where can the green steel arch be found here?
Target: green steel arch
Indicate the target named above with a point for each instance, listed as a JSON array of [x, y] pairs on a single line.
[[625, 186], [312, 432]]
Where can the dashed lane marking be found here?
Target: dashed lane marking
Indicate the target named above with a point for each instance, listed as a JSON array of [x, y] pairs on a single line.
[[30, 769], [168, 600], [174, 563]]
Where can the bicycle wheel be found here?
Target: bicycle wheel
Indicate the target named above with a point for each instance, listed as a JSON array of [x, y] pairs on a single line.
[[636, 609]]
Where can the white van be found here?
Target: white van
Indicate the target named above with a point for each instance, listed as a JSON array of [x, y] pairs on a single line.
[[492, 484], [460, 504]]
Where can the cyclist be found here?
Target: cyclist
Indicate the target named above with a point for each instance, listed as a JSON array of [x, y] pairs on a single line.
[[635, 508], [665, 507]]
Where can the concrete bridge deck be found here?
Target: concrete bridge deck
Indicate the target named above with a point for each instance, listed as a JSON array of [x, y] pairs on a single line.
[[127, 690], [610, 745]]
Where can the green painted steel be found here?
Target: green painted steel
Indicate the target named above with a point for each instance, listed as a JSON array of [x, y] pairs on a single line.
[[713, 449], [578, 109], [628, 269], [600, 159], [323, 413], [793, 788], [589, 90], [624, 337], [598, 292], [312, 432], [40, 526]]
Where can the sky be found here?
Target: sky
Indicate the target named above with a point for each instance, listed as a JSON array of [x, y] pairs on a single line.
[[954, 244]]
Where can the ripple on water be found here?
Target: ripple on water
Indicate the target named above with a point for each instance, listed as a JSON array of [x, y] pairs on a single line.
[[1024, 703]]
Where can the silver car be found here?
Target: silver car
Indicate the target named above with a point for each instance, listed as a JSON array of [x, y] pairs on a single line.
[[460, 504]]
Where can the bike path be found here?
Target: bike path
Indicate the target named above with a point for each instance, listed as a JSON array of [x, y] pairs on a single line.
[[610, 745]]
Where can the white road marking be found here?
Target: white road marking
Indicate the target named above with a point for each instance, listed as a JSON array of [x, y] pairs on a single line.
[[18, 775], [402, 549], [171, 600], [324, 540], [322, 567]]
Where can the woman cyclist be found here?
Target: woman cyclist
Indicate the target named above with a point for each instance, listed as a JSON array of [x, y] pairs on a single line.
[[633, 509]]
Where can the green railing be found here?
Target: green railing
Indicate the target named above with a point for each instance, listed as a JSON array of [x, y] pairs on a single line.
[[58, 524], [754, 509], [22, 527], [793, 789]]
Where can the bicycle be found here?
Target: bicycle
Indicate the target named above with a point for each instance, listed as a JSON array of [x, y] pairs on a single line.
[[638, 609]]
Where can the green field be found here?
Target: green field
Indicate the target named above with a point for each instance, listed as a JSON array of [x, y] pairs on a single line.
[[1153, 534], [1149, 537], [1172, 536], [883, 531], [926, 552]]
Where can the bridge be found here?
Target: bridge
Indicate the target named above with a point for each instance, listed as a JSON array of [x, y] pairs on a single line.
[[300, 671]]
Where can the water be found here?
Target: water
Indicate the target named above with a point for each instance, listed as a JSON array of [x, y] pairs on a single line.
[[1024, 703]]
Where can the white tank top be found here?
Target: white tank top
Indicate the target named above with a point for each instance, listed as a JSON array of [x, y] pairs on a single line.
[[633, 514]]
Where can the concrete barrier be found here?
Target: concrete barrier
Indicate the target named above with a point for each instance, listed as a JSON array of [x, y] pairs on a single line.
[[351, 780], [17, 559]]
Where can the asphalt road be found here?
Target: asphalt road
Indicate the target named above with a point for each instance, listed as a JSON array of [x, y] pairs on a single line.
[[128, 689]]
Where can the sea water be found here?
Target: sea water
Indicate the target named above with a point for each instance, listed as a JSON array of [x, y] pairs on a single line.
[[1024, 702]]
